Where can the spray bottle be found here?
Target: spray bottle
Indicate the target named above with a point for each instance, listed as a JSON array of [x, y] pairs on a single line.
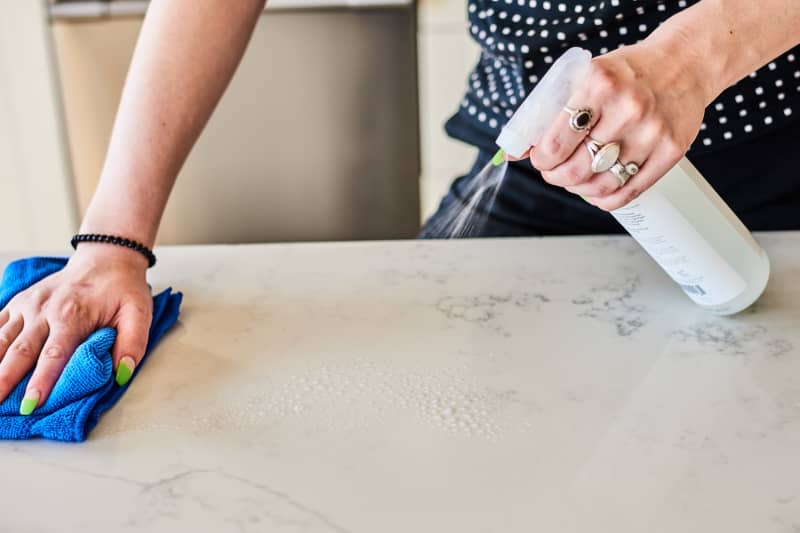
[[681, 221]]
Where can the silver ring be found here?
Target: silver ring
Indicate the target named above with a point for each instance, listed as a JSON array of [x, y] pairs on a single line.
[[632, 168], [620, 172], [579, 119], [624, 172], [603, 155]]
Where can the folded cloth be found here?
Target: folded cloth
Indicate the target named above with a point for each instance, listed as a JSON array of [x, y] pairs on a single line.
[[86, 388]]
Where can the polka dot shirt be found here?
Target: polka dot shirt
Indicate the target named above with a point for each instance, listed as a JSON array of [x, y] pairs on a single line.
[[520, 39]]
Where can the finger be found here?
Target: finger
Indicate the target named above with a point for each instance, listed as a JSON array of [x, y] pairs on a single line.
[[21, 358], [8, 334], [661, 161], [574, 171], [560, 141], [5, 315], [132, 333], [577, 168], [599, 186], [637, 147], [57, 350]]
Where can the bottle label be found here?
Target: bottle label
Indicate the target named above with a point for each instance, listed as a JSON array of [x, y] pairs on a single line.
[[680, 250]]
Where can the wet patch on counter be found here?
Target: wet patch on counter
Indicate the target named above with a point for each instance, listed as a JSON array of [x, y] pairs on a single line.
[[342, 398]]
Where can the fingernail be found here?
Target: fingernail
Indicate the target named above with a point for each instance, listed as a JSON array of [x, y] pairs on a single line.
[[29, 402], [125, 370]]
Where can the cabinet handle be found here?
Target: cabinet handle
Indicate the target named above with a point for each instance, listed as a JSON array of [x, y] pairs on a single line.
[[122, 8]]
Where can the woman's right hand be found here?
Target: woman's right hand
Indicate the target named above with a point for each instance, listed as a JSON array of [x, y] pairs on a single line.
[[101, 285]]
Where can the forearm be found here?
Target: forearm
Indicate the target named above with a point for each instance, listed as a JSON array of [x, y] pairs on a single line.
[[186, 54], [728, 39]]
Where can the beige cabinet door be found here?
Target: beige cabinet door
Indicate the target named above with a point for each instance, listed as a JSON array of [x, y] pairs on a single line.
[[38, 210], [315, 139]]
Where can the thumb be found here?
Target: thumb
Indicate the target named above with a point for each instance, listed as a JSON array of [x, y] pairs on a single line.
[[132, 332]]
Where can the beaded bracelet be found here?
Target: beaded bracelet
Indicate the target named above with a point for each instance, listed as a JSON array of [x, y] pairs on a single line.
[[119, 241]]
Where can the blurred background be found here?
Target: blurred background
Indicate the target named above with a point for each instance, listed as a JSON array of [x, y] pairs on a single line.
[[366, 84]]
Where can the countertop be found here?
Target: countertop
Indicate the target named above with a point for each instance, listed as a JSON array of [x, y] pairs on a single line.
[[555, 385]]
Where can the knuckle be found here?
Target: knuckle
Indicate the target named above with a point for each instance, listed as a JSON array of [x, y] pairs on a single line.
[[54, 353], [24, 350], [549, 150], [140, 311], [630, 195], [574, 175], [37, 296], [603, 80], [638, 107], [6, 338], [673, 147], [6, 384], [70, 311], [605, 188]]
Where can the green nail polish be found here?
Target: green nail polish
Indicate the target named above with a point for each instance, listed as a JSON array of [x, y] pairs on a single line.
[[29, 403], [499, 158], [124, 372]]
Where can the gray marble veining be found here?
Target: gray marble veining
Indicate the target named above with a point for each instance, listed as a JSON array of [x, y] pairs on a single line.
[[502, 385]]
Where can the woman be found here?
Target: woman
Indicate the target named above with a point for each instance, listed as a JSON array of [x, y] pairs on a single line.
[[649, 97]]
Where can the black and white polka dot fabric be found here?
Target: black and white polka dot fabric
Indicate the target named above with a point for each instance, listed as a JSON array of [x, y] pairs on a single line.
[[520, 39]]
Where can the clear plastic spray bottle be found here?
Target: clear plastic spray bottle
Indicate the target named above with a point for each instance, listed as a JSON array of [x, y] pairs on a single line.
[[681, 221]]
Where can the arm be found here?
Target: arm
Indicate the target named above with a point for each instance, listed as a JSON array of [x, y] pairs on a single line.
[[187, 53], [729, 39], [651, 96]]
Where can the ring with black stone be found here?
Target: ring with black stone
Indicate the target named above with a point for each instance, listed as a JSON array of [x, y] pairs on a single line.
[[579, 119]]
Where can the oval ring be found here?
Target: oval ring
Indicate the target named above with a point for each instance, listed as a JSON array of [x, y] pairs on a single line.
[[603, 155]]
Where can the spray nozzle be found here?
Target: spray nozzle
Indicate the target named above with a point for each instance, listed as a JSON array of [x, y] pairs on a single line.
[[542, 106], [499, 158]]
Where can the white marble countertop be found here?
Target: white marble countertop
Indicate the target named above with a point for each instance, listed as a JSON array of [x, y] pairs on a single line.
[[554, 385]]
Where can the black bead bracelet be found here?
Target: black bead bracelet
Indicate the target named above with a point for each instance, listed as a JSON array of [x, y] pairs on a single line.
[[119, 241]]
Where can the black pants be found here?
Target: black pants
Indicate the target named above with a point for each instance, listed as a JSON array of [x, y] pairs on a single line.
[[759, 179]]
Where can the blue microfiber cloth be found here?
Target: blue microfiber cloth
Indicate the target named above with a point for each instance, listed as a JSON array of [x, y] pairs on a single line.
[[86, 388]]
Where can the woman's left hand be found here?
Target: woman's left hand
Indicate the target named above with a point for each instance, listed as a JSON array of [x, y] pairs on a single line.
[[649, 98]]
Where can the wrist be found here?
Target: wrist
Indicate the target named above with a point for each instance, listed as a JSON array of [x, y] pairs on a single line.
[[105, 254], [700, 62], [107, 217]]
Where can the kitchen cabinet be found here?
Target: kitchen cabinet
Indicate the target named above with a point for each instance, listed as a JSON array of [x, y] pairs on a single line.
[[38, 208], [315, 139]]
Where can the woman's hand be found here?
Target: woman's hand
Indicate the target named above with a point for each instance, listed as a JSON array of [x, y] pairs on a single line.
[[40, 328], [650, 99]]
